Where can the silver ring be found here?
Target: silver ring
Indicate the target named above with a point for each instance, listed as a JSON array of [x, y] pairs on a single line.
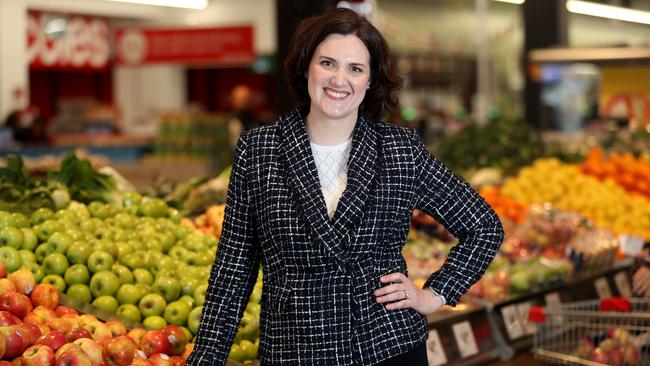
[[406, 294]]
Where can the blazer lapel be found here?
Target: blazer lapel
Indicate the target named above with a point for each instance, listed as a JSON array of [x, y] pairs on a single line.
[[302, 177]]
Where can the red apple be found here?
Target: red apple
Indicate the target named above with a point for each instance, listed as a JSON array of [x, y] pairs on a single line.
[[631, 354], [138, 362], [78, 333], [53, 339], [63, 325], [46, 295], [33, 318], [23, 280], [6, 286], [160, 359], [598, 355], [3, 270], [137, 334], [46, 314], [616, 357], [3, 345], [177, 360], [177, 338], [99, 331], [16, 341], [120, 351], [117, 328], [73, 357], [65, 348], [32, 330], [61, 310], [37, 355], [6, 363], [16, 303], [91, 349], [155, 341], [7, 318]]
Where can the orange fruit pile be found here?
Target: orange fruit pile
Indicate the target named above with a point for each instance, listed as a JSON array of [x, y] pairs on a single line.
[[505, 207], [629, 172]]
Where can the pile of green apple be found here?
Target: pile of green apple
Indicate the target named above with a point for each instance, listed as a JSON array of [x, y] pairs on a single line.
[[247, 342], [136, 260]]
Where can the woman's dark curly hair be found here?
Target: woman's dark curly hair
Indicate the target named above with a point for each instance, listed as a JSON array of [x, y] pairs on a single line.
[[312, 31]]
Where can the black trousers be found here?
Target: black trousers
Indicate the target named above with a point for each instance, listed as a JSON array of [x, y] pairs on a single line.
[[414, 357]]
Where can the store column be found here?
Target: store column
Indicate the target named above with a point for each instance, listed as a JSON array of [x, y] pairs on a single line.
[[14, 74], [545, 25]]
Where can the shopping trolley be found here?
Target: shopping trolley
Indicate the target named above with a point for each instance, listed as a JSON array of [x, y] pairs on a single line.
[[594, 333]]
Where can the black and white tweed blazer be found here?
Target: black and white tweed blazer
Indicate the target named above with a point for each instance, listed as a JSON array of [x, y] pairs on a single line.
[[318, 306]]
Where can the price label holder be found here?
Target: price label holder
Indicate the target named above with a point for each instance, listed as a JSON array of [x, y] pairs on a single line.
[[512, 322], [552, 299], [465, 339], [435, 351], [630, 245], [622, 284], [522, 310], [602, 288]]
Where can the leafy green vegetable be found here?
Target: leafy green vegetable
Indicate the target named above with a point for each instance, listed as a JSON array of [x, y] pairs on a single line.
[[83, 182], [19, 192]]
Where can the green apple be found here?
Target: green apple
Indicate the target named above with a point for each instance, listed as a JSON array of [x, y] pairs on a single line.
[[194, 319], [187, 332], [20, 220], [105, 245], [153, 245], [123, 273], [11, 258], [30, 241], [106, 303], [87, 226], [75, 234], [60, 241], [177, 312], [154, 322], [27, 256], [152, 304], [142, 275], [104, 233], [129, 294], [152, 207], [203, 259], [104, 283], [195, 243], [211, 241], [46, 229], [125, 221], [129, 312], [7, 219], [77, 274], [124, 248], [189, 286], [61, 198], [11, 237], [137, 259], [55, 263], [79, 293], [41, 215], [167, 240], [121, 235], [189, 300], [78, 252], [168, 287], [144, 288], [178, 252], [131, 199], [99, 260], [100, 210], [36, 270], [43, 251], [80, 210], [55, 280], [199, 294], [181, 232], [165, 264]]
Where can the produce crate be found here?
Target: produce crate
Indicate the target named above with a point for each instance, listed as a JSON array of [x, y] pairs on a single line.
[[596, 333]]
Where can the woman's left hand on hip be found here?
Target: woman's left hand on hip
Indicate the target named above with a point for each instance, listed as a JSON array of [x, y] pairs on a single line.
[[402, 293]]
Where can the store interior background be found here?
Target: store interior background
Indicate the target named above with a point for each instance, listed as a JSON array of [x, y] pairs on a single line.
[[438, 46]]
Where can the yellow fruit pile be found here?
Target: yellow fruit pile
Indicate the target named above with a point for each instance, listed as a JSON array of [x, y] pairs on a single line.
[[606, 203]]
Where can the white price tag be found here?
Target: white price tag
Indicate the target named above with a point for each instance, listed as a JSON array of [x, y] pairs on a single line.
[[465, 339], [602, 287], [512, 322], [435, 352], [552, 299], [630, 245], [522, 310], [622, 284]]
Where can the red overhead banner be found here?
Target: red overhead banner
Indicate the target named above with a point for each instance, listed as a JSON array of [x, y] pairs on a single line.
[[228, 46], [67, 42]]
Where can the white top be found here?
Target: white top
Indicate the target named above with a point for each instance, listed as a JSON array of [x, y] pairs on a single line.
[[332, 165]]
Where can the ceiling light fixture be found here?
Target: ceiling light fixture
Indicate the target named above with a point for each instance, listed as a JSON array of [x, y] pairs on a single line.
[[608, 11], [188, 4], [518, 2]]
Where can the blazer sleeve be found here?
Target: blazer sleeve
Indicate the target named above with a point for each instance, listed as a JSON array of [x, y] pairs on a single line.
[[465, 215], [234, 271]]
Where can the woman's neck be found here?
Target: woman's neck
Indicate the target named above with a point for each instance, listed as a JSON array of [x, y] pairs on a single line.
[[325, 131]]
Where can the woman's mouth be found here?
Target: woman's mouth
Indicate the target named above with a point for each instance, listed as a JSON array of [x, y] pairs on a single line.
[[335, 94]]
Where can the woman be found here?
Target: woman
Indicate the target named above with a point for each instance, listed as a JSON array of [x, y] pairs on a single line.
[[323, 198]]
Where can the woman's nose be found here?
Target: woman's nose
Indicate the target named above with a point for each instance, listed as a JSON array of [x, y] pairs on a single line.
[[338, 78]]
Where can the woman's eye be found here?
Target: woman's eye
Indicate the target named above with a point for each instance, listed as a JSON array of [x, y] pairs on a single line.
[[326, 63], [356, 69]]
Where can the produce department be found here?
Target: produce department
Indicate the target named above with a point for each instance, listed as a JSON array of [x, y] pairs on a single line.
[[115, 163]]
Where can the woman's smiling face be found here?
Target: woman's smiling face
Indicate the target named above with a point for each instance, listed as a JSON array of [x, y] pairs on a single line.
[[338, 76]]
